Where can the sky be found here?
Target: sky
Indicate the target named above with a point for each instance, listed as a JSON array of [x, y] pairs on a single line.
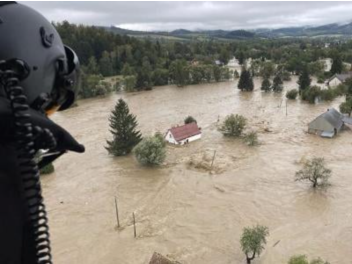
[[200, 15]]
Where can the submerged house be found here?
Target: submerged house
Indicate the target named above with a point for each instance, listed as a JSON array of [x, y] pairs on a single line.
[[337, 79], [327, 124], [183, 134]]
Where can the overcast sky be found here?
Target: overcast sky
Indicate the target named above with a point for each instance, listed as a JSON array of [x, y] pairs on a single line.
[[196, 15]]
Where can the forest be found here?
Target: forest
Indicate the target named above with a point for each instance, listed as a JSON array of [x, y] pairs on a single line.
[[141, 63]]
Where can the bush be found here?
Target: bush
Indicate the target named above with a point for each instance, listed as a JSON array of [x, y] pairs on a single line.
[[302, 259], [292, 94], [251, 139], [328, 94], [48, 169], [151, 151], [311, 94], [233, 125], [190, 119], [130, 83]]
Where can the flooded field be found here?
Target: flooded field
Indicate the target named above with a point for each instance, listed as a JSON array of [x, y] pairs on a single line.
[[194, 216]]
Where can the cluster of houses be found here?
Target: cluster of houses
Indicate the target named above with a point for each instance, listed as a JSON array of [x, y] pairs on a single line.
[[327, 125]]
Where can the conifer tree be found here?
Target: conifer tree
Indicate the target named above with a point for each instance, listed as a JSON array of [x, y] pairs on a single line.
[[123, 129], [246, 82], [277, 84], [337, 65], [304, 80], [266, 85]]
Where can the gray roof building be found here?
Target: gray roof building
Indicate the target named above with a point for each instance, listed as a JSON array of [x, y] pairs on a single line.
[[327, 124]]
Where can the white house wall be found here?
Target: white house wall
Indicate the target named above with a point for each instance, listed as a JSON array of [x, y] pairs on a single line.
[[334, 82], [170, 138], [190, 139]]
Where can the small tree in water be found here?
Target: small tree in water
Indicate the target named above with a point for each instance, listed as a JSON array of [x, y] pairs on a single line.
[[253, 241], [190, 119], [151, 150], [233, 125], [123, 129], [314, 171], [277, 84], [266, 85]]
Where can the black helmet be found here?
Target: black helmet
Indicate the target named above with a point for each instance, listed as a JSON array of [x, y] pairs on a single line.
[[26, 36]]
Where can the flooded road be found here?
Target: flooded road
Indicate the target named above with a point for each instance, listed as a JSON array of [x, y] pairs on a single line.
[[194, 216]]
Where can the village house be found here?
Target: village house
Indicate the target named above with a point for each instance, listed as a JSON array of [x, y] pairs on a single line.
[[337, 79], [181, 135], [327, 124]]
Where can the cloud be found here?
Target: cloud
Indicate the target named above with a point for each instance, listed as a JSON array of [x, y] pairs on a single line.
[[196, 15]]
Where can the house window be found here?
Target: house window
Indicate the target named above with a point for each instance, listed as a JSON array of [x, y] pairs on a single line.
[[170, 135]]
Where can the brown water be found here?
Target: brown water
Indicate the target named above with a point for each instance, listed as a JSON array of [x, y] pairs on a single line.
[[190, 214]]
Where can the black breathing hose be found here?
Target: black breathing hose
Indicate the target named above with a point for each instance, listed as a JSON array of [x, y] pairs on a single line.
[[25, 139]]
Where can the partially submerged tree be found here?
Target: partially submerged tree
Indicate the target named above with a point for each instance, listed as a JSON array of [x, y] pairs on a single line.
[[253, 241], [302, 259], [277, 83], [233, 125], [123, 127], [151, 150], [314, 170], [190, 119], [304, 80], [266, 85], [346, 107], [246, 82]]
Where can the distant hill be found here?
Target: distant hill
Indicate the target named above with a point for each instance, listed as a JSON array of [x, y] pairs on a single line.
[[334, 30]]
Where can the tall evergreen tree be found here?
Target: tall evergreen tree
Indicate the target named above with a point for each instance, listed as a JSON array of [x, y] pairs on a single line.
[[105, 64], [123, 127], [304, 80], [277, 83], [337, 65], [266, 85], [246, 81]]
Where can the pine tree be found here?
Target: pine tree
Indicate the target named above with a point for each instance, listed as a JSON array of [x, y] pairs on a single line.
[[123, 128], [304, 80], [337, 65], [277, 84], [246, 82], [266, 85]]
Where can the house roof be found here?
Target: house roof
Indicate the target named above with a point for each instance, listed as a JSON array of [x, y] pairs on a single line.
[[185, 131], [342, 77], [334, 117]]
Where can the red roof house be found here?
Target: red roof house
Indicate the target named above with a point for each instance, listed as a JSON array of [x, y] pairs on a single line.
[[183, 134]]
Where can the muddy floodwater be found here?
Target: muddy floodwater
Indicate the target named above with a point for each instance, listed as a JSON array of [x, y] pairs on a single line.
[[193, 215]]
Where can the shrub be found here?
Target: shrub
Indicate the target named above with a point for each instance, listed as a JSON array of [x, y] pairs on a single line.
[[328, 94], [311, 94], [190, 119], [251, 139], [314, 171], [292, 94], [151, 151], [130, 83], [302, 259], [48, 169], [233, 125]]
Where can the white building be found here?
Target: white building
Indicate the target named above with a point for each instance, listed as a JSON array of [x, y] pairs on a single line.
[[183, 134], [338, 79]]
